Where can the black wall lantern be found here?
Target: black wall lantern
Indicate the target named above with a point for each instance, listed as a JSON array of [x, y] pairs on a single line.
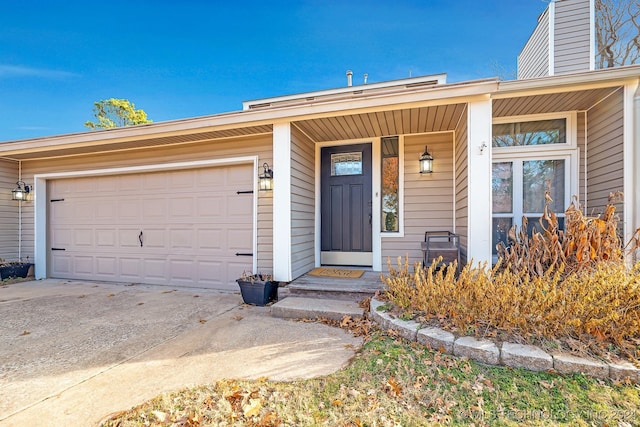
[[265, 179], [21, 192], [426, 162]]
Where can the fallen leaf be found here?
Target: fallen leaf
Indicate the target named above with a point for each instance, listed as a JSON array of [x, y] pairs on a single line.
[[252, 408], [202, 321], [25, 332], [161, 416], [393, 386], [111, 295], [237, 317], [547, 385]]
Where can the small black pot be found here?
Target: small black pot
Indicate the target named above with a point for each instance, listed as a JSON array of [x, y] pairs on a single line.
[[15, 270], [258, 292]]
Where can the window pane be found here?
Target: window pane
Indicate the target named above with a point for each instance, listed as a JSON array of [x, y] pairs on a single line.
[[346, 164], [533, 224], [500, 230], [539, 132], [390, 179], [538, 175], [502, 187]]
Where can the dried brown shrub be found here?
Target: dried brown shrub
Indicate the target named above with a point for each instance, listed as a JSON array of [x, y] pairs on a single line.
[[553, 285]]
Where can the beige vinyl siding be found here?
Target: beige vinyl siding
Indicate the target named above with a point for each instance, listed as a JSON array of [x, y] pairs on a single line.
[[8, 211], [215, 149], [605, 173], [462, 185], [533, 60], [428, 198], [302, 203], [572, 36]]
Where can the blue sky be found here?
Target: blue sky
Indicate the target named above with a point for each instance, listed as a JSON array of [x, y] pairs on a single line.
[[177, 59]]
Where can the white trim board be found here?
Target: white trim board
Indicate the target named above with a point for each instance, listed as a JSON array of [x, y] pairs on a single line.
[[40, 199]]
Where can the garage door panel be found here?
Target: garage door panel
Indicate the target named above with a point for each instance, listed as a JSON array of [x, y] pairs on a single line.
[[210, 206], [239, 206], [154, 208], [83, 237], [106, 265], [105, 238], [104, 210], [211, 239], [128, 210], [193, 224], [239, 239], [182, 239], [154, 268], [130, 268], [154, 238], [83, 265], [129, 237]]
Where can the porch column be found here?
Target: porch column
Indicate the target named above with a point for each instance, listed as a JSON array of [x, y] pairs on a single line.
[[631, 156], [479, 118], [282, 202]]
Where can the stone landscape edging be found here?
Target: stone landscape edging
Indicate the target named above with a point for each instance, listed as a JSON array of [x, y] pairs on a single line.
[[505, 354]]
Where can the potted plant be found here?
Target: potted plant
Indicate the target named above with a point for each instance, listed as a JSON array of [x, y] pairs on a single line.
[[10, 269], [258, 289]]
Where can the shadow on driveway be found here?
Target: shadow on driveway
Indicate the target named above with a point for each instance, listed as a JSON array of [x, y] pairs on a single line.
[[73, 352]]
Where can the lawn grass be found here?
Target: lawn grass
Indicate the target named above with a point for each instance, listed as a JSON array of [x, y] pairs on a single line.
[[392, 382]]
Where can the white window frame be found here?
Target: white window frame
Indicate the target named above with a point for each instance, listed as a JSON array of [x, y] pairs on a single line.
[[567, 151], [571, 134], [400, 232]]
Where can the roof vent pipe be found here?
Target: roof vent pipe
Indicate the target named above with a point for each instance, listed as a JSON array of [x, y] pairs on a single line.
[[349, 78], [366, 76]]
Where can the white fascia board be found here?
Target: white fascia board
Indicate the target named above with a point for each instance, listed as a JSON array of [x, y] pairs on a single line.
[[444, 94], [437, 78], [577, 81]]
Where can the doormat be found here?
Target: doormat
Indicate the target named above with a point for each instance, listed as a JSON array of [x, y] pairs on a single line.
[[336, 272]]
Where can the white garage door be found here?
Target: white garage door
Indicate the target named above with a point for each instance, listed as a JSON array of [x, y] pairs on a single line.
[[185, 227]]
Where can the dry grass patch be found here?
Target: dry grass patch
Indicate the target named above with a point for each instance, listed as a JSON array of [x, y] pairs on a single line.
[[393, 382]]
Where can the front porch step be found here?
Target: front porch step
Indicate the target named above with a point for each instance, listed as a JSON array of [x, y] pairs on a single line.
[[294, 307], [334, 288]]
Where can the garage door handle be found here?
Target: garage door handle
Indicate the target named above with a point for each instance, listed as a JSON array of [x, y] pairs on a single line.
[[140, 238], [243, 254]]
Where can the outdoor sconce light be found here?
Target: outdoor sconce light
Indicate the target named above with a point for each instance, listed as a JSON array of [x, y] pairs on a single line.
[[266, 179], [21, 192], [426, 162]]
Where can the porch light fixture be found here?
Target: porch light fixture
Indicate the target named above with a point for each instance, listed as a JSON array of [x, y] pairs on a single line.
[[426, 162], [21, 192], [265, 179]]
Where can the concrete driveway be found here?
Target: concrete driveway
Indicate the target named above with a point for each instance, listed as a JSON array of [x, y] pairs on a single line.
[[73, 352]]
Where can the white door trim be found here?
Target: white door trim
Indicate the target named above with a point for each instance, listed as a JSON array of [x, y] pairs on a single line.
[[40, 199], [376, 242]]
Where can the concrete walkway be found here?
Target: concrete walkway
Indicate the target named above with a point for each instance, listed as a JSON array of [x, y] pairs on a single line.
[[73, 352]]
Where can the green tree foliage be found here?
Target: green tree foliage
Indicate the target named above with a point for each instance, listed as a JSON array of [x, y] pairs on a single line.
[[112, 113]]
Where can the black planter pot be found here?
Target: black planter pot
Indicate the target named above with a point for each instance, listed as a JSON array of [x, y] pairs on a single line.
[[258, 292], [15, 270]]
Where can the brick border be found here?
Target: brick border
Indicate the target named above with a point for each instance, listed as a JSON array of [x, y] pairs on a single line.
[[507, 354]]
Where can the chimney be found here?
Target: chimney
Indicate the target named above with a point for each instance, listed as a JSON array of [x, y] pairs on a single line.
[[349, 78], [366, 76]]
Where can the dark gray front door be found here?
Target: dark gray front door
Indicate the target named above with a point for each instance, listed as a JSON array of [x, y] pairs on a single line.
[[346, 205]]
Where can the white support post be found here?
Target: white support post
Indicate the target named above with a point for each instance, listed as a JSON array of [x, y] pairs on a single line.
[[479, 193], [631, 161], [282, 202]]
